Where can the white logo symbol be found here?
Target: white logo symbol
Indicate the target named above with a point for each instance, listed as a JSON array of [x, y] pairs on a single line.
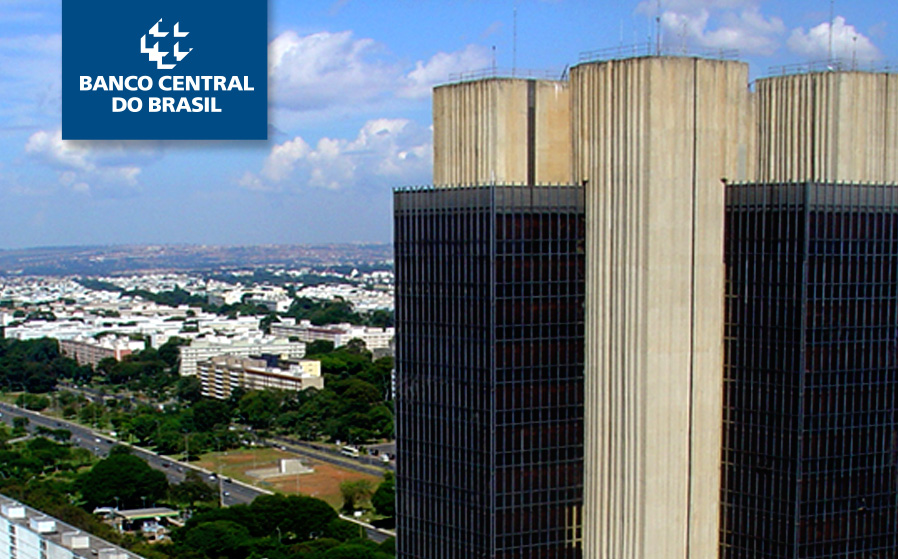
[[155, 54]]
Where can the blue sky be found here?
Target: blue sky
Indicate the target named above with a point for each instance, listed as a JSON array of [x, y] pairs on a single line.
[[350, 110]]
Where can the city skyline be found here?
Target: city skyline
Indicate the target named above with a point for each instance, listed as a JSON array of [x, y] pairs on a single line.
[[350, 111]]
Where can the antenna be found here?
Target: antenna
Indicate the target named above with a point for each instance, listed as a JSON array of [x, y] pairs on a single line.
[[494, 60], [658, 29], [683, 38], [514, 47], [832, 18]]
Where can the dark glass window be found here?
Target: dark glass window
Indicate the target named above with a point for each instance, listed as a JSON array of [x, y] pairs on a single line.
[[489, 310], [810, 457]]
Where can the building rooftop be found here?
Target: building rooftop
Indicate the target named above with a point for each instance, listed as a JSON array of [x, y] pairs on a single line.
[[80, 542], [146, 514]]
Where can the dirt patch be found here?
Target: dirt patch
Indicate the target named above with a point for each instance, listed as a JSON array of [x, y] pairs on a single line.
[[323, 483]]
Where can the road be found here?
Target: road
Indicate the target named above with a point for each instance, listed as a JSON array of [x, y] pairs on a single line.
[[99, 444], [363, 464], [234, 492]]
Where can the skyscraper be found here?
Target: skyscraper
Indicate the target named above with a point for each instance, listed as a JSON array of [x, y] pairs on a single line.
[[653, 141], [810, 452], [489, 310]]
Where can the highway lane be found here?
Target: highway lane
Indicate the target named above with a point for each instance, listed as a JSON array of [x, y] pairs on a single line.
[[99, 444], [233, 492], [363, 464]]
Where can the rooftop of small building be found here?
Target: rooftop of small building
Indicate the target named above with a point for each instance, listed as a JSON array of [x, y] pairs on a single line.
[[58, 532]]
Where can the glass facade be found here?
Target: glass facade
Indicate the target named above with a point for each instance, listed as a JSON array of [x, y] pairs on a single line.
[[489, 380], [810, 454]]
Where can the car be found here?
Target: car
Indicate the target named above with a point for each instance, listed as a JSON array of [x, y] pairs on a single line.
[[227, 480], [226, 494]]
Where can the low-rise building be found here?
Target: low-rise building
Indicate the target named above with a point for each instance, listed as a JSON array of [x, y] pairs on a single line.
[[201, 350], [90, 351], [27, 533], [220, 375], [339, 334]]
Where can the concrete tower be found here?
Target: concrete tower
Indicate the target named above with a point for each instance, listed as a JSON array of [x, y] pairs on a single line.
[[829, 126], [501, 131], [652, 139]]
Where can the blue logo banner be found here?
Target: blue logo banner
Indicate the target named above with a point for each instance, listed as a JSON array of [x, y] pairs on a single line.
[[165, 70]]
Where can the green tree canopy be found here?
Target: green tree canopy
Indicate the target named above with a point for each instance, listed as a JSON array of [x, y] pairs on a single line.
[[384, 499], [219, 538], [124, 476]]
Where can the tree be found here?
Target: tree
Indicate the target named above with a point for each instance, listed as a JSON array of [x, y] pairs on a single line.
[[380, 319], [355, 493], [193, 489], [143, 426], [384, 499], [19, 424], [208, 414], [357, 346], [320, 347], [32, 402], [119, 449], [39, 383], [218, 538], [61, 435], [189, 389], [170, 352], [351, 551], [267, 321], [259, 408], [122, 479]]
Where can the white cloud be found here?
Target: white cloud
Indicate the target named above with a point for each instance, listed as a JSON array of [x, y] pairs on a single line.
[[385, 151], [420, 81], [322, 69], [325, 70], [847, 42], [716, 24], [81, 165]]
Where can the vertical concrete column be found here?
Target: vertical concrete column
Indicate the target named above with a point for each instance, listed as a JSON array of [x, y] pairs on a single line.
[[653, 137]]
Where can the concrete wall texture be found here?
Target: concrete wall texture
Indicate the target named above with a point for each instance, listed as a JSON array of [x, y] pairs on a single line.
[[652, 139], [832, 126], [500, 130]]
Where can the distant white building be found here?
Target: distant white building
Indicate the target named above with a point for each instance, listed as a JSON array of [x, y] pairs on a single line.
[[219, 376], [339, 334], [201, 350], [26, 533], [274, 303], [274, 299], [225, 297]]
